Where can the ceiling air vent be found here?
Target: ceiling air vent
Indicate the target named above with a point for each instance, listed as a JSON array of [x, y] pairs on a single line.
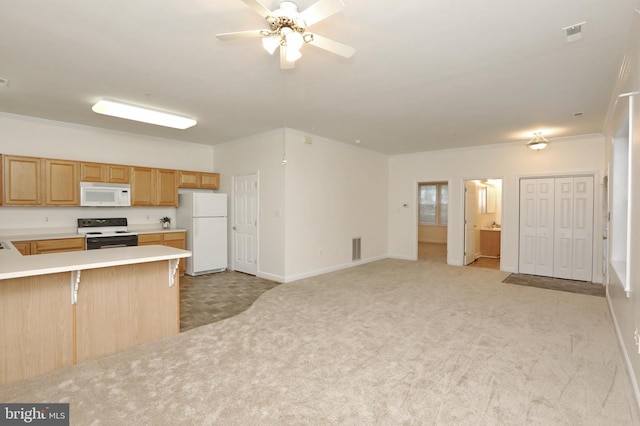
[[574, 32]]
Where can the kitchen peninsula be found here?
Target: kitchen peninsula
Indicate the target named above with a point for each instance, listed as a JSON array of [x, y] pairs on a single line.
[[59, 309]]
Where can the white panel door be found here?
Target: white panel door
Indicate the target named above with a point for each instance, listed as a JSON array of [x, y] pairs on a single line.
[[544, 227], [470, 209], [527, 261], [536, 226], [245, 224], [582, 229], [563, 233], [556, 227]]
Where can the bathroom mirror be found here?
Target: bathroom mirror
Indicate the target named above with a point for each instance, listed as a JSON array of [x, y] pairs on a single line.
[[487, 199]]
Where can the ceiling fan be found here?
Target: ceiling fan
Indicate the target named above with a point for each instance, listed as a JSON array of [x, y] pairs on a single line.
[[288, 30]]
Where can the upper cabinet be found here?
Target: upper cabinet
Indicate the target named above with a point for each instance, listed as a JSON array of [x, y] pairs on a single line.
[[154, 187], [203, 180], [166, 187], [61, 180], [142, 186], [22, 181], [107, 173], [30, 181]]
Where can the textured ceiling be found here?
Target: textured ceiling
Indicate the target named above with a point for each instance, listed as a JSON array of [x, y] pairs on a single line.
[[426, 75]]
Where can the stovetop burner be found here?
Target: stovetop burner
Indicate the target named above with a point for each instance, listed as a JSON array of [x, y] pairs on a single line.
[[104, 227], [107, 233]]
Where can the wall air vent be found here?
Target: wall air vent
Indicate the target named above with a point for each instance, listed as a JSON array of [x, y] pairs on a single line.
[[356, 249]]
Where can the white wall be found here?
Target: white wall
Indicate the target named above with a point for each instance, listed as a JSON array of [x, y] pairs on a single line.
[[261, 154], [625, 308], [506, 161], [334, 192], [310, 208], [44, 138]]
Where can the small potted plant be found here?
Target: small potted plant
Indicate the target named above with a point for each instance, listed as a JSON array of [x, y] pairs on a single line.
[[165, 221]]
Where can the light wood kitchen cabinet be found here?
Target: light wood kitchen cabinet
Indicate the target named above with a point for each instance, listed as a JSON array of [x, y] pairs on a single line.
[[36, 326], [124, 306], [175, 239], [203, 180], [31, 181], [490, 243], [166, 187], [117, 173], [62, 182], [210, 180], [57, 245], [24, 247], [142, 186], [106, 173], [22, 181], [153, 187], [93, 172], [116, 308], [150, 239]]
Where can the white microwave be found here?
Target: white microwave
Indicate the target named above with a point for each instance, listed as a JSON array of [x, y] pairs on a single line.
[[105, 194]]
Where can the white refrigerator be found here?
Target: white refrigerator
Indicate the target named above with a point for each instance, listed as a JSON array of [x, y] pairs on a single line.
[[204, 216]]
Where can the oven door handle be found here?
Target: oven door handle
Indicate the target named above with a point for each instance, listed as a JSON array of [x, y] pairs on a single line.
[[113, 246]]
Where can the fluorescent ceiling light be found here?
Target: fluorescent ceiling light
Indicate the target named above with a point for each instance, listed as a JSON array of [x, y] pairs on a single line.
[[145, 115]]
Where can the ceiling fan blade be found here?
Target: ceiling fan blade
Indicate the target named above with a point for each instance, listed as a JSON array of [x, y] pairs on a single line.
[[332, 46], [320, 10], [284, 64], [240, 35], [258, 7]]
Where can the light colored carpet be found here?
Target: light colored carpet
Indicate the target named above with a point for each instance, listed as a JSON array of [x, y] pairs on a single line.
[[391, 342]]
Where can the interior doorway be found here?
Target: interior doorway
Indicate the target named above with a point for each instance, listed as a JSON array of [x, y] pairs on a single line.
[[433, 220], [482, 222], [245, 224]]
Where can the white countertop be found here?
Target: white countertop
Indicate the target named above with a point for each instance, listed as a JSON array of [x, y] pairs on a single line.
[[15, 265], [490, 229], [42, 234]]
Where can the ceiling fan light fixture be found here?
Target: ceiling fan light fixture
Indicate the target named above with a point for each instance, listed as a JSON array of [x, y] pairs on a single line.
[[292, 55], [271, 44], [145, 115], [538, 142], [294, 40]]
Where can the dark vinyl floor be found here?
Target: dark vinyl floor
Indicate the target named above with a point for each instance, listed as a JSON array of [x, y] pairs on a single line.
[[213, 297]]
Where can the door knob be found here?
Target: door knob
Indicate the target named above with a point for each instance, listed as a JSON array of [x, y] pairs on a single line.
[[234, 228]]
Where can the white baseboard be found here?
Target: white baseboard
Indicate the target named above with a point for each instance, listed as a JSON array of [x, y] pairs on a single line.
[[270, 277], [401, 257], [332, 269]]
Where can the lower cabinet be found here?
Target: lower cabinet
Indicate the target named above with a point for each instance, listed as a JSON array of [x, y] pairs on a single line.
[[36, 326], [146, 308], [117, 308], [172, 239], [49, 246]]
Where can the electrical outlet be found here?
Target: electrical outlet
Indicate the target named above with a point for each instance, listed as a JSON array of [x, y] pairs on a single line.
[[46, 218]]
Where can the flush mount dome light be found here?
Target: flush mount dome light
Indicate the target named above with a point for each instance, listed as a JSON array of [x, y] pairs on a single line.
[[144, 115], [538, 142]]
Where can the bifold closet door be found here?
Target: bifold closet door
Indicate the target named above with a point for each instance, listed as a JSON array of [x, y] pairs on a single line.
[[556, 227], [573, 231], [536, 226]]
